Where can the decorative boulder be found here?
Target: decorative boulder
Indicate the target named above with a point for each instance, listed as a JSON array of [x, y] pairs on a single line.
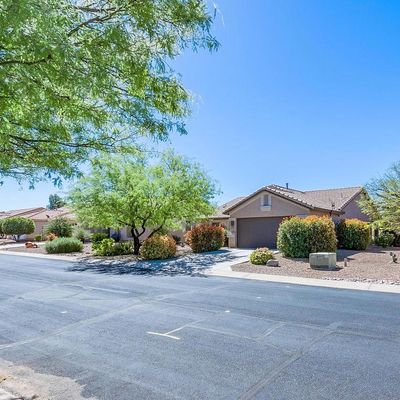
[[323, 260], [272, 263], [30, 245]]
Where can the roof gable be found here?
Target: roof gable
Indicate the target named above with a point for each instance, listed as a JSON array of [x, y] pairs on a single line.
[[325, 199]]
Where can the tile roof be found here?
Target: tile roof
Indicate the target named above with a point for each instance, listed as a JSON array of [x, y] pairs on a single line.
[[38, 213], [324, 199]]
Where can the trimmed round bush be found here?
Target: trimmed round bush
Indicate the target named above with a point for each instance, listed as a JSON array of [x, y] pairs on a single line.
[[298, 237], [17, 226], [60, 226], [385, 239], [205, 237], [64, 245], [158, 247], [353, 234], [261, 256]]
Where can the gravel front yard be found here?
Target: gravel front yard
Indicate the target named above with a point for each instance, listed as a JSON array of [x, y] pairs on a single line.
[[374, 265]]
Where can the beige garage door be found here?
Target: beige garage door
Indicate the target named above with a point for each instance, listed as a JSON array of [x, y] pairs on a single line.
[[257, 232]]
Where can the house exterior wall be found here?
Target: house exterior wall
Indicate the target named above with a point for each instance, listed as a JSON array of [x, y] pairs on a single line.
[[253, 209], [279, 208], [353, 210]]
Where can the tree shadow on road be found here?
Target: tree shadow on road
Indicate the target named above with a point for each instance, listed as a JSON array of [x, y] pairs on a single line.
[[191, 265]]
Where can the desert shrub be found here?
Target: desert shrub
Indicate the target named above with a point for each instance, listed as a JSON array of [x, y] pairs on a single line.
[[81, 234], [51, 236], [64, 245], [158, 247], [205, 237], [261, 256], [1, 229], [98, 237], [385, 239], [298, 237], [17, 226], [353, 234], [108, 247], [38, 238], [60, 226]]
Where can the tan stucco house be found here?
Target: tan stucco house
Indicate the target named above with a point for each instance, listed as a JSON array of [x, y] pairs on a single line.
[[253, 221], [40, 216]]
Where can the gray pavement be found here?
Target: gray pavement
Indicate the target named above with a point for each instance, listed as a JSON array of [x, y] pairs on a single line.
[[120, 332]]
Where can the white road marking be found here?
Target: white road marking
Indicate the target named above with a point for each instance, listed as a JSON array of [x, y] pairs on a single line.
[[165, 335]]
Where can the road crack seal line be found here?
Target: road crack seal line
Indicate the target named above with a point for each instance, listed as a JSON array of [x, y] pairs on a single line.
[[257, 387]]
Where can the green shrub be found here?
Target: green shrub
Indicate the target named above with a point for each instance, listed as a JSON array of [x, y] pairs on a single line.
[[60, 226], [385, 239], [98, 237], [158, 247], [64, 245], [38, 238], [81, 234], [353, 234], [17, 226], [205, 237], [108, 247], [298, 237], [1, 228], [261, 256]]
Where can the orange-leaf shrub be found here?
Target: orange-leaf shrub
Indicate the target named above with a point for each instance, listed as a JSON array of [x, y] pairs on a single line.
[[205, 237]]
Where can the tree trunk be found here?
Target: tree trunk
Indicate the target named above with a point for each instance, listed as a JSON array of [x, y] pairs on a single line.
[[136, 242]]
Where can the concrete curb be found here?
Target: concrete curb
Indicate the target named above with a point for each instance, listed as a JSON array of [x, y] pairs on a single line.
[[373, 287], [45, 257]]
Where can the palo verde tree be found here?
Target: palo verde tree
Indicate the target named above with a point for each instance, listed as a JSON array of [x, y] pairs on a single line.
[[143, 196], [383, 201], [78, 77]]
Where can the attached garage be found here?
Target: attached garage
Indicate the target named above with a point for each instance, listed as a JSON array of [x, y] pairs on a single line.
[[257, 232]]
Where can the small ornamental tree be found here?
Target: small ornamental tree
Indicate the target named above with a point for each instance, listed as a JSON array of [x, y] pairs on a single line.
[[18, 226], [298, 237], [133, 193], [60, 226]]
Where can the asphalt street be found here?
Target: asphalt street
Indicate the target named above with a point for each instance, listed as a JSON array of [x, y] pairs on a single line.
[[123, 334]]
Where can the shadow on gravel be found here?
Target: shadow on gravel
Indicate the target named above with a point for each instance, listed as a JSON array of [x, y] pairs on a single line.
[[191, 265]]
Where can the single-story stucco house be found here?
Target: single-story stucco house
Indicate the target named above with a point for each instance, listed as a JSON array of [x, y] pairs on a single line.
[[253, 221], [40, 216]]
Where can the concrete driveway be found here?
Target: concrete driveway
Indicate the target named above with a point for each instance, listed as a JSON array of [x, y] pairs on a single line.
[[92, 331]]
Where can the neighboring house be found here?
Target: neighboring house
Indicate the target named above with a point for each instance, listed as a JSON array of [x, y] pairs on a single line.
[[40, 216], [253, 221]]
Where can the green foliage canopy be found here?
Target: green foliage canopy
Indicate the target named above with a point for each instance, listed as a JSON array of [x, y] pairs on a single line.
[[383, 201], [132, 192], [78, 77], [18, 226], [55, 201]]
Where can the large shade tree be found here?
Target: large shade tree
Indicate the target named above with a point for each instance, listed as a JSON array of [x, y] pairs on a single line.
[[81, 76], [143, 196], [383, 202]]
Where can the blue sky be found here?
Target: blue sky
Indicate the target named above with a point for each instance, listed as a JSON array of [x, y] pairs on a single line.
[[305, 92]]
